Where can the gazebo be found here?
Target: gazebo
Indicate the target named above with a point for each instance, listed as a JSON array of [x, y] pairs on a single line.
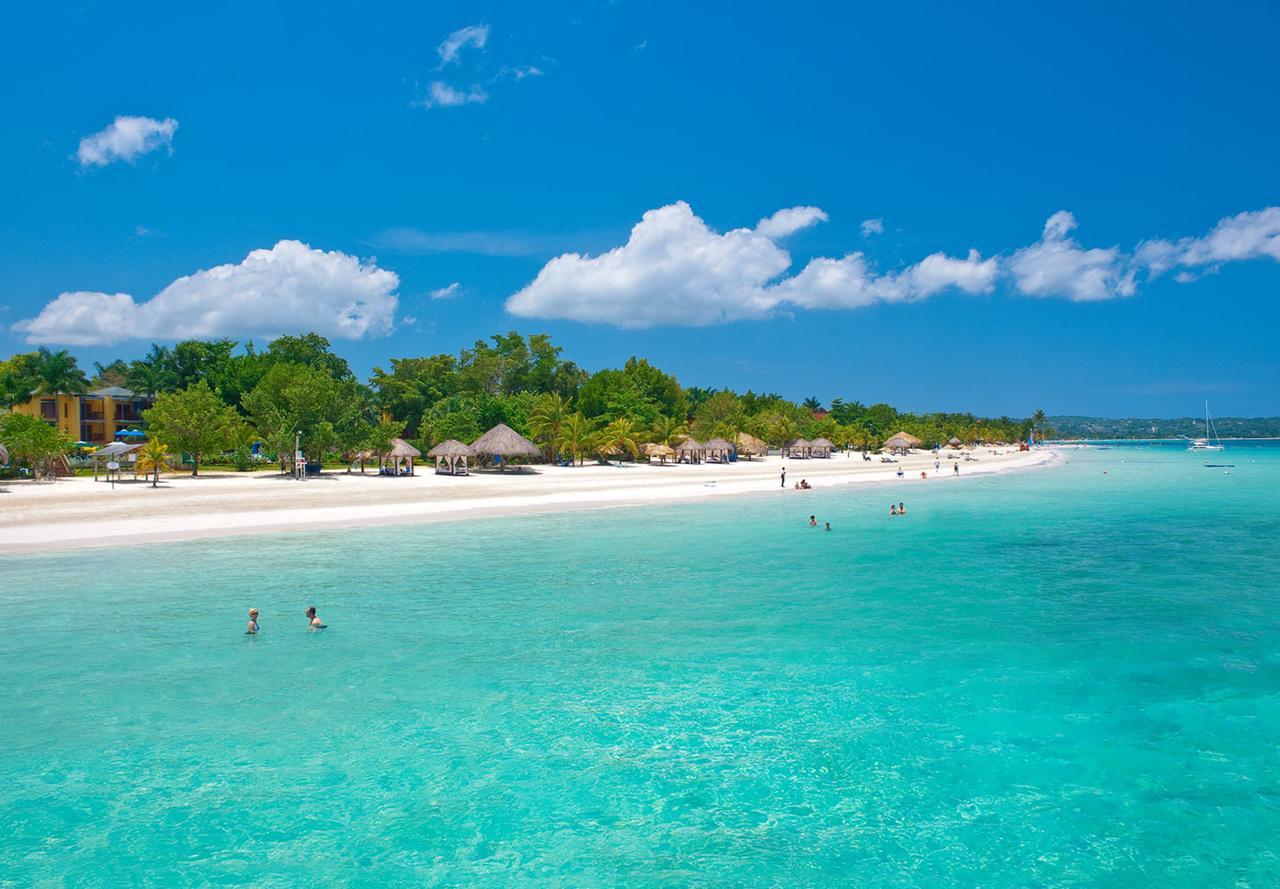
[[799, 449], [820, 447], [749, 446], [451, 457], [400, 455], [691, 450], [660, 451], [718, 450], [901, 443], [504, 443], [117, 451]]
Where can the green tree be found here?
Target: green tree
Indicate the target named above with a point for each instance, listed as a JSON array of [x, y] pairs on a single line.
[[111, 374], [577, 437], [311, 350], [621, 436], [31, 441], [811, 404], [18, 379], [153, 373], [293, 398], [153, 456], [193, 420], [58, 372], [548, 414], [668, 431]]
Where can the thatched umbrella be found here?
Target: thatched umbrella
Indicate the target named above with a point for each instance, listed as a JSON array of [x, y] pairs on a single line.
[[399, 453], [691, 448], [902, 442], [504, 442], [448, 453], [750, 446], [821, 447], [719, 449], [954, 443], [661, 451], [799, 448]]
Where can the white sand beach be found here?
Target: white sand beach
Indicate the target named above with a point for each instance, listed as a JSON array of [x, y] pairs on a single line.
[[79, 512]]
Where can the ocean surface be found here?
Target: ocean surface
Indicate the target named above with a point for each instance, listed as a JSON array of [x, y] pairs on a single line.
[[1063, 676]]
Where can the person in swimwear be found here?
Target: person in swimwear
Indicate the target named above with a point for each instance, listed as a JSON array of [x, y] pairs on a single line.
[[253, 623], [315, 622], [813, 521], [902, 509]]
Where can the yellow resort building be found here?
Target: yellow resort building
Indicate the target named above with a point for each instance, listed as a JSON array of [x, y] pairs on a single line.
[[95, 417]]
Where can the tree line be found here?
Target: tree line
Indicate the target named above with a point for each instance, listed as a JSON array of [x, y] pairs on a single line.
[[213, 399]]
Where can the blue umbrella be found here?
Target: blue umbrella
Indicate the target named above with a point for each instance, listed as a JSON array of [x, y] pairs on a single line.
[[131, 433]]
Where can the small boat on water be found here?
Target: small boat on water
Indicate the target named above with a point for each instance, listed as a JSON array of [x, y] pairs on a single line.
[[1207, 443]]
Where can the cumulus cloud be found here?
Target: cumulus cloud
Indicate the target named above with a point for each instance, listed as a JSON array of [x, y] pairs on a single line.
[[286, 288], [674, 269], [441, 95], [1245, 236], [125, 139], [452, 46], [446, 292], [789, 221], [872, 227], [1058, 266]]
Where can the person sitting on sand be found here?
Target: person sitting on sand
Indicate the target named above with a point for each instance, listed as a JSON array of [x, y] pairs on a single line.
[[805, 486], [902, 509], [813, 522], [893, 510], [314, 619], [253, 623]]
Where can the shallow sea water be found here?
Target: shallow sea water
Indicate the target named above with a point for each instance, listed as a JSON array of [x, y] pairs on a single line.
[[1068, 676]]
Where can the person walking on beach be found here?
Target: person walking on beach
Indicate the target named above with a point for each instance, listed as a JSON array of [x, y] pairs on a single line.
[[955, 469], [784, 476], [253, 623], [313, 619]]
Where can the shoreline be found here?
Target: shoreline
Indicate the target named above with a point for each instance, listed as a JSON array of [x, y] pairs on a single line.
[[78, 513]]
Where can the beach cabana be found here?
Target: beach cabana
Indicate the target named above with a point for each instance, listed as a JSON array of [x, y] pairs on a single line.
[[901, 443], [749, 446], [505, 443], [119, 452], [799, 449], [718, 450], [400, 455], [955, 442], [821, 447], [661, 452], [451, 457], [691, 450]]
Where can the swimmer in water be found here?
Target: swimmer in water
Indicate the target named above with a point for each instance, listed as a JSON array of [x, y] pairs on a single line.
[[253, 623], [893, 510], [828, 526], [902, 509], [813, 521], [315, 622]]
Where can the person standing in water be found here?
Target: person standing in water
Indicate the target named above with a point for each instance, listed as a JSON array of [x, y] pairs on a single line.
[[253, 623], [314, 619], [902, 509], [813, 521]]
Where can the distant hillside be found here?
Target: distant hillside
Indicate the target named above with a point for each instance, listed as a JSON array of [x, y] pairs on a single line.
[[1181, 427]]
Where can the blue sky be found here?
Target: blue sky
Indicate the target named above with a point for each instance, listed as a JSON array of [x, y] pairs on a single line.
[[423, 145]]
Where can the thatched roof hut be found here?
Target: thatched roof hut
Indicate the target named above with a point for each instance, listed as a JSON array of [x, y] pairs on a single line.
[[750, 446], [954, 443], [799, 448], [400, 455], [505, 443], [661, 452], [821, 447], [691, 449], [451, 457], [902, 442], [718, 449]]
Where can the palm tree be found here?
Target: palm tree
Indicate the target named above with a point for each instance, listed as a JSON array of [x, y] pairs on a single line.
[[669, 431], [548, 414], [57, 373], [784, 431], [576, 437], [811, 404], [1038, 420], [151, 375], [152, 457], [620, 435]]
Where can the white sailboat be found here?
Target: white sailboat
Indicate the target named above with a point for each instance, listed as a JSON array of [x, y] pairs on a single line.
[[1207, 443]]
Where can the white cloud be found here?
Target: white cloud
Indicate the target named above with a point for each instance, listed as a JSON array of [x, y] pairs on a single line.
[[1057, 266], [126, 139], [446, 292], [452, 46], [441, 95], [672, 270], [675, 270], [872, 227], [287, 288], [789, 221], [1245, 236]]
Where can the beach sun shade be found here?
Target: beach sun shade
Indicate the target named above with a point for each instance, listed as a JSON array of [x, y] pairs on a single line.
[[131, 433]]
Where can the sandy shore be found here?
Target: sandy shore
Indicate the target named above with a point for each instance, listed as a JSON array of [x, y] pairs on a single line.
[[79, 512]]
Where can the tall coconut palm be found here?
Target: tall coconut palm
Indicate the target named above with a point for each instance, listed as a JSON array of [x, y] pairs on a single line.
[[811, 404], [576, 437], [548, 415], [153, 457], [668, 431], [1038, 421], [784, 431], [622, 436], [153, 373], [58, 373]]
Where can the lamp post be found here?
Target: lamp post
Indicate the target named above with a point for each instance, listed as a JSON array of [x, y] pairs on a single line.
[[299, 467]]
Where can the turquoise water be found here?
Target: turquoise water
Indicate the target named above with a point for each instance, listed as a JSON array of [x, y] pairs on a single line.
[[1062, 677]]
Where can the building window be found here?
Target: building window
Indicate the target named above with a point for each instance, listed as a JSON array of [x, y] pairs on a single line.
[[48, 409]]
